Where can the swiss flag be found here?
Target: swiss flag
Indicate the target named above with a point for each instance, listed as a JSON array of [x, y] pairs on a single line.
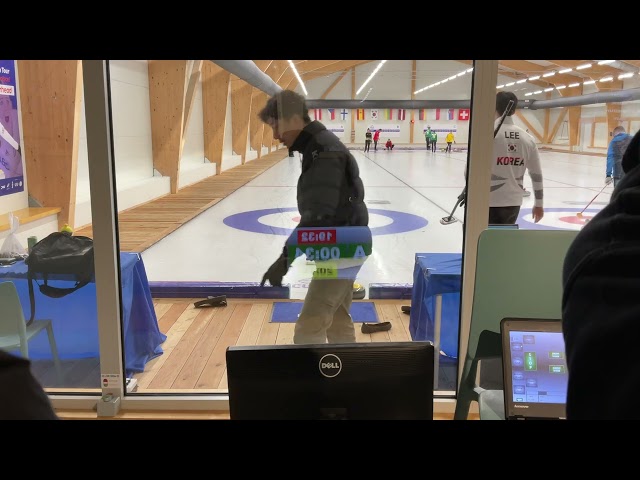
[[463, 114]]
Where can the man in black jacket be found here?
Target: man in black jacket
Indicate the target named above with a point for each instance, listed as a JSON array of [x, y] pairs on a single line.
[[330, 194], [601, 306]]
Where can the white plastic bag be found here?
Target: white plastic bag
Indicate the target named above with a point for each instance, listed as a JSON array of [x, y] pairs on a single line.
[[11, 247]]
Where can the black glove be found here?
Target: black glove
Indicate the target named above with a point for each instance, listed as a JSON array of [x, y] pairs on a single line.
[[462, 198], [275, 272]]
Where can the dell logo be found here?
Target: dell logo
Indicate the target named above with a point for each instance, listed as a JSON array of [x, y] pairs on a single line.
[[330, 365]]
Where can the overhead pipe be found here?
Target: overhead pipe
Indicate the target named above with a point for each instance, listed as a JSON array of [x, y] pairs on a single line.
[[248, 71], [588, 99]]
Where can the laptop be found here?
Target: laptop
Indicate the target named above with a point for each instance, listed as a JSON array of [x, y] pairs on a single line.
[[534, 369]]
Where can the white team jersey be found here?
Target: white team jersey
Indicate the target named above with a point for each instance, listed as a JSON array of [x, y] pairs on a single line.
[[514, 152]]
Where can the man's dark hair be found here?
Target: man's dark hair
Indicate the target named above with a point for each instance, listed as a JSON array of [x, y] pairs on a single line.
[[285, 104], [502, 100]]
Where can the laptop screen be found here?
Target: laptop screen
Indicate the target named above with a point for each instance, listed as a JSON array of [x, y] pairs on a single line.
[[534, 368]]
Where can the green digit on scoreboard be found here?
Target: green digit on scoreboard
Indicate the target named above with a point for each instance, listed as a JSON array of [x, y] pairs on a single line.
[[330, 252]]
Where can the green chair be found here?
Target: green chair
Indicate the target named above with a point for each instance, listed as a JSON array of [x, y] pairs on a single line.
[[14, 331], [518, 274]]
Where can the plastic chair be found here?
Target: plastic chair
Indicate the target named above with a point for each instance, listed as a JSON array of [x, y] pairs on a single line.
[[519, 275], [14, 332]]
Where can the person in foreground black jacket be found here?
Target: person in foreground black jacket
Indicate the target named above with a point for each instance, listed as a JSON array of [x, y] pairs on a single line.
[[21, 396], [330, 193], [601, 305]]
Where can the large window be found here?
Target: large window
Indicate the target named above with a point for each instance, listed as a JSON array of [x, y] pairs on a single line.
[[186, 194]]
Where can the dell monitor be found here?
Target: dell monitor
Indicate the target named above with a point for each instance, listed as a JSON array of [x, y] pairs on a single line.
[[350, 381]]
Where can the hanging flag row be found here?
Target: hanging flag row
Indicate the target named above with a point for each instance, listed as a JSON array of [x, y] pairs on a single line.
[[332, 113], [393, 113], [464, 114]]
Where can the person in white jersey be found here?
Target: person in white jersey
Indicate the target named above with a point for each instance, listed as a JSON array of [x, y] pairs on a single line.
[[514, 152]]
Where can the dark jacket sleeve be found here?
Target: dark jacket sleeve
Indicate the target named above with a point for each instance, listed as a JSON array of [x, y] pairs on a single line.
[[601, 309]]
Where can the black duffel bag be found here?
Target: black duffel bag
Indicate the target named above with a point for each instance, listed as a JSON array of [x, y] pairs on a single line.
[[66, 256]]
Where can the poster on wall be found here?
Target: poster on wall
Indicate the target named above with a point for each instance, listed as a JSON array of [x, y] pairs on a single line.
[[11, 173], [335, 128], [388, 131]]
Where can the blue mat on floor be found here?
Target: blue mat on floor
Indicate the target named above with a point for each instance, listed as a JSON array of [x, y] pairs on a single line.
[[287, 312]]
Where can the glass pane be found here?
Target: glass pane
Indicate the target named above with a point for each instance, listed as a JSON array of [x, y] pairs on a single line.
[[207, 197], [557, 156], [43, 185], [576, 111]]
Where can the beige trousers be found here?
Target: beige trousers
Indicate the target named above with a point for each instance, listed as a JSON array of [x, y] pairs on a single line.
[[325, 314]]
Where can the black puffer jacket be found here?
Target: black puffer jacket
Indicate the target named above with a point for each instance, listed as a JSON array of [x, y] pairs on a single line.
[[601, 308], [330, 191]]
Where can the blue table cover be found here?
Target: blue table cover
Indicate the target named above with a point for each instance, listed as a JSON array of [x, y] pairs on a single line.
[[75, 316], [433, 274]]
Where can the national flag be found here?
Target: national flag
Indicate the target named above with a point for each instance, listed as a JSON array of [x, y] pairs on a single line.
[[343, 114], [437, 114], [450, 114], [332, 113], [463, 114], [374, 114], [401, 113], [422, 114], [317, 113], [388, 114], [360, 114]]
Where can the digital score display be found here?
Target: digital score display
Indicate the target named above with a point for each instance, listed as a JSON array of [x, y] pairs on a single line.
[[333, 249]]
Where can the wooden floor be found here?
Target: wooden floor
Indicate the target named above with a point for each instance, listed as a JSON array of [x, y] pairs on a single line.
[[197, 339], [193, 359], [146, 224]]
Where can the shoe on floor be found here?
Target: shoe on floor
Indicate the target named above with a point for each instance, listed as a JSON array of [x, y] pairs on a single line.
[[405, 308], [359, 292], [375, 327], [526, 192]]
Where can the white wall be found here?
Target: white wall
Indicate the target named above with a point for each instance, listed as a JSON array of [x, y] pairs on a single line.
[[38, 228], [251, 154], [133, 156], [131, 120], [229, 158], [194, 166]]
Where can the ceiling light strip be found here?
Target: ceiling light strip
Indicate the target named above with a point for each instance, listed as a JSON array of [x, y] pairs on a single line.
[[295, 71], [452, 77], [382, 62]]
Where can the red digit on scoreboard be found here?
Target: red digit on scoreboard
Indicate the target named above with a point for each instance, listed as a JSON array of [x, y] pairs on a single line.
[[316, 236]]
